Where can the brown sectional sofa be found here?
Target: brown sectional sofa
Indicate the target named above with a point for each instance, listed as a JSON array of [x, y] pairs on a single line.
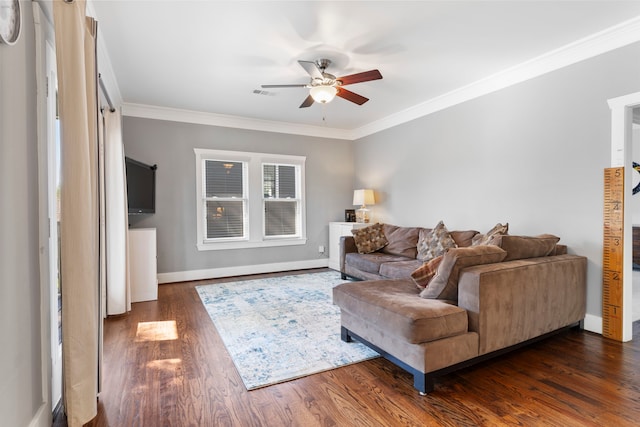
[[499, 306]]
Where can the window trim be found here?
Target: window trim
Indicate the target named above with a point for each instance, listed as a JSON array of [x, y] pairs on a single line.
[[255, 207]]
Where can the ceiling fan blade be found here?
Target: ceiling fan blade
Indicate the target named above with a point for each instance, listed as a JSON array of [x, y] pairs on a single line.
[[312, 69], [307, 102], [275, 86], [350, 96], [360, 77]]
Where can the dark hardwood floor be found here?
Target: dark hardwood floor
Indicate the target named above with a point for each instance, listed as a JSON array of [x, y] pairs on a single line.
[[573, 379]]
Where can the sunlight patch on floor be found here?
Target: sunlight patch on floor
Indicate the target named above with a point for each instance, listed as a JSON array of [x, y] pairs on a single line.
[[165, 364], [157, 331]]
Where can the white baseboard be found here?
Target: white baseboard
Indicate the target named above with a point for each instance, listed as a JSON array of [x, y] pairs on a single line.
[[213, 273], [43, 417], [593, 323]]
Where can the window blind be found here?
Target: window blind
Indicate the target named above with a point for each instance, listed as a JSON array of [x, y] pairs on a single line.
[[280, 218], [223, 179], [225, 219]]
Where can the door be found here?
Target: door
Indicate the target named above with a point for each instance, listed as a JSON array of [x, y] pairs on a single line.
[[635, 198], [48, 212], [622, 156], [53, 160]]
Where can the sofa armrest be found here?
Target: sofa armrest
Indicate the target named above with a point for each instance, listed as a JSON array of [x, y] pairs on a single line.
[[511, 302], [347, 245]]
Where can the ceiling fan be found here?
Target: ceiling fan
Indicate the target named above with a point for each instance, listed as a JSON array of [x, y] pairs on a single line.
[[323, 86]]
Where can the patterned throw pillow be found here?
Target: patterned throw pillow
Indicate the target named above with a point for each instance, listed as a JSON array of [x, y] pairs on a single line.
[[483, 239], [423, 274], [369, 239], [434, 243]]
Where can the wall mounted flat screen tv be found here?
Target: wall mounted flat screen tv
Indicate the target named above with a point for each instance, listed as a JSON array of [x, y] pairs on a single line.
[[141, 187]]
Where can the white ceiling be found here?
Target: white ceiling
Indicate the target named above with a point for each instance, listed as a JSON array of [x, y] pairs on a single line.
[[210, 56]]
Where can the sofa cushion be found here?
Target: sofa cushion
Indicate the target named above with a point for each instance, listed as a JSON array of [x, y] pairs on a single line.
[[369, 239], [399, 269], [396, 305], [483, 239], [371, 263], [422, 275], [433, 243], [463, 238], [402, 240], [523, 247], [445, 283]]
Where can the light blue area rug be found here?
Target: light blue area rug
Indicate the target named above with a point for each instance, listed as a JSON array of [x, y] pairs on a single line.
[[281, 328]]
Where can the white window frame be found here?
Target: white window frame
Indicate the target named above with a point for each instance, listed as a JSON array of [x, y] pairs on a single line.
[[255, 204], [244, 199], [297, 199]]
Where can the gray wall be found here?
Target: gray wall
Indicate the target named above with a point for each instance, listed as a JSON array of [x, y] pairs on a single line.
[[329, 188], [20, 364], [531, 155]]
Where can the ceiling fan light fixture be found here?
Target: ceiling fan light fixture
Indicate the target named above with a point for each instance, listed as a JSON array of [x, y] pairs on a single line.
[[323, 94]]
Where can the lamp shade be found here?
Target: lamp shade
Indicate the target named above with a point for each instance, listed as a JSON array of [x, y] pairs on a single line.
[[363, 197], [323, 94]]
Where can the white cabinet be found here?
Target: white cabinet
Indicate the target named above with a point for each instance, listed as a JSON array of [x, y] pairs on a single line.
[[143, 264], [336, 230]]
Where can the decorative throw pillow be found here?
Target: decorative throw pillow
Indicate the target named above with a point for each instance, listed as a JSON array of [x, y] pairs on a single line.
[[445, 283], [423, 274], [402, 240], [523, 247], [483, 239], [463, 238], [369, 239], [435, 242]]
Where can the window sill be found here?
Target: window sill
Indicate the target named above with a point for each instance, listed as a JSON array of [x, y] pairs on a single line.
[[250, 245]]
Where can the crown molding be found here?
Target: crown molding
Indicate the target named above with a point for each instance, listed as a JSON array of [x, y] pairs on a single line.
[[598, 43], [604, 41], [212, 119]]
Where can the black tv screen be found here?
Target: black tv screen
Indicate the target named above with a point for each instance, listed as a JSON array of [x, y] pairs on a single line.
[[141, 187]]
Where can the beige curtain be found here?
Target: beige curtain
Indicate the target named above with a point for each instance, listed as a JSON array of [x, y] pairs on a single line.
[[118, 295], [78, 107]]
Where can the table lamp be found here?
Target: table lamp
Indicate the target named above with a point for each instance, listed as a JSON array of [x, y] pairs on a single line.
[[363, 198]]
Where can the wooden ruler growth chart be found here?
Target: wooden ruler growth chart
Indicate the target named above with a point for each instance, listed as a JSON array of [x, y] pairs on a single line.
[[613, 252]]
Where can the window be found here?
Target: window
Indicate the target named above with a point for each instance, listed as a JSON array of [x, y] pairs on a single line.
[[248, 200], [281, 200], [225, 199]]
